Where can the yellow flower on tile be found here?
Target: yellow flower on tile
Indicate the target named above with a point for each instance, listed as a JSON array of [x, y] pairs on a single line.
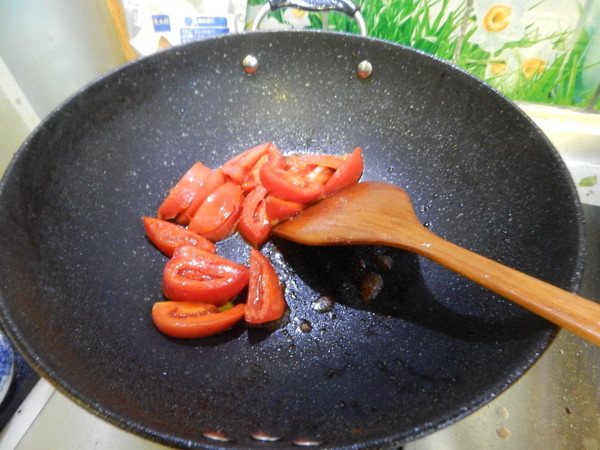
[[497, 68], [514, 64], [498, 22], [497, 18], [297, 18], [532, 67]]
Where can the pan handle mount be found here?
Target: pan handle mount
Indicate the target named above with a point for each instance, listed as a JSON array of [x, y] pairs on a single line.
[[364, 69], [347, 7]]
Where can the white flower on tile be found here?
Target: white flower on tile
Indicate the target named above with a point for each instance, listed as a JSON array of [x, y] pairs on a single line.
[[513, 64], [295, 17], [270, 23], [498, 22]]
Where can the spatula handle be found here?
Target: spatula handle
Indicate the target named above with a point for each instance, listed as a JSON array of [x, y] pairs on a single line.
[[567, 310]]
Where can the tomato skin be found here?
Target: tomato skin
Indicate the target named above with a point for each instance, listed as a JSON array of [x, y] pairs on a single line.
[[289, 186], [187, 320], [349, 172], [266, 301], [214, 179], [254, 225], [167, 236], [238, 167], [194, 275], [278, 210], [181, 195], [216, 218]]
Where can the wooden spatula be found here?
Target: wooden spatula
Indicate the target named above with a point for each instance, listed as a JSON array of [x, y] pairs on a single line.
[[382, 214]]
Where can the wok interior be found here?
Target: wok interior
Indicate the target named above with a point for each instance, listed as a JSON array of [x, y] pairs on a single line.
[[79, 277]]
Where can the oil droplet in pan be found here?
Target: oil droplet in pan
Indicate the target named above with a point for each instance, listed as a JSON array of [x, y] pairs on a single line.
[[323, 304], [503, 433], [502, 412], [304, 326]]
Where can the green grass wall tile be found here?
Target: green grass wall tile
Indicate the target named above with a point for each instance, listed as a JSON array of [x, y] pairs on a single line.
[[543, 51]]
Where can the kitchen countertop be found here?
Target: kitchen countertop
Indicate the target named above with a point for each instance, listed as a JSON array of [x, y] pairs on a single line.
[[555, 405]]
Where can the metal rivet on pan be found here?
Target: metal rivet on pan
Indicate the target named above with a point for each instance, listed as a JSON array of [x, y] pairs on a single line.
[[306, 442], [250, 64], [217, 436], [265, 437], [364, 69]]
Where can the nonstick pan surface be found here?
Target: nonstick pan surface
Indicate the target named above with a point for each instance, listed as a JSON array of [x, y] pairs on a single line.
[[79, 277]]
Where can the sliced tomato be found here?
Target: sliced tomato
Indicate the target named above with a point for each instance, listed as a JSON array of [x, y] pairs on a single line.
[[318, 168], [273, 157], [254, 225], [331, 161], [319, 174], [182, 194], [188, 320], [304, 162], [349, 172], [238, 167], [266, 301], [216, 218], [195, 275], [253, 178], [278, 209], [167, 236], [215, 179], [288, 186]]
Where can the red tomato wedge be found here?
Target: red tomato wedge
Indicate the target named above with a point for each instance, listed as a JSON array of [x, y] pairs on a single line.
[[349, 172], [272, 157], [238, 167], [288, 186], [181, 195], [320, 174], [250, 193], [306, 163], [216, 218], [266, 301], [254, 225], [318, 168], [278, 209], [167, 236], [330, 161], [188, 320], [194, 275], [215, 179]]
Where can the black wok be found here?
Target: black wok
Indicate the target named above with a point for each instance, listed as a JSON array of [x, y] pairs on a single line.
[[78, 277]]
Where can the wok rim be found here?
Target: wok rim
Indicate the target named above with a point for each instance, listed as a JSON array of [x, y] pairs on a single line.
[[62, 385]]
